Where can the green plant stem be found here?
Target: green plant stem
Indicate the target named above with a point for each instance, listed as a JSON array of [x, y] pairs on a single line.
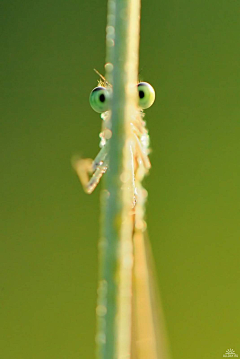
[[115, 283]]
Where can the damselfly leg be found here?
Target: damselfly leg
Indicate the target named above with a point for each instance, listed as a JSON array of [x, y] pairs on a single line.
[[90, 171]]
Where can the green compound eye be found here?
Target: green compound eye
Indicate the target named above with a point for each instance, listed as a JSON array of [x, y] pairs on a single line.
[[146, 95], [100, 99]]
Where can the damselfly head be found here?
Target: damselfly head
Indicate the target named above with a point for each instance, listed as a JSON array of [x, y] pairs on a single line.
[[100, 97]]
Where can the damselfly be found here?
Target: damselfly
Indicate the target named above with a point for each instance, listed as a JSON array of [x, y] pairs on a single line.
[[148, 338]]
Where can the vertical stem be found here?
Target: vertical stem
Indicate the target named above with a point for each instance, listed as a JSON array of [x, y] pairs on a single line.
[[115, 284]]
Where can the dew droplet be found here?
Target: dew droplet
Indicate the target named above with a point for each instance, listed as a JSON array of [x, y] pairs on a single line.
[[110, 42], [101, 310], [109, 67], [100, 338], [110, 30]]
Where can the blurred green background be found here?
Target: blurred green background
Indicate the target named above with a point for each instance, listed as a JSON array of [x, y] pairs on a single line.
[[49, 228]]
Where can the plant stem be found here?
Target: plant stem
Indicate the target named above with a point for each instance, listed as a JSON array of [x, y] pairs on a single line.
[[115, 283]]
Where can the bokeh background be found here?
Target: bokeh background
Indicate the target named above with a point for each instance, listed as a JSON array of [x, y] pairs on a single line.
[[49, 228]]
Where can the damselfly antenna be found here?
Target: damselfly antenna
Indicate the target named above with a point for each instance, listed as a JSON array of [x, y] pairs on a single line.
[[103, 78]]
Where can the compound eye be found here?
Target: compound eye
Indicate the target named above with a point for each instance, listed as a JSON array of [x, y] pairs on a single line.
[[146, 95], [100, 99]]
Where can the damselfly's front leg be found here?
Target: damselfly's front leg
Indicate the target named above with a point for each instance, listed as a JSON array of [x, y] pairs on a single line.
[[90, 171], [141, 154]]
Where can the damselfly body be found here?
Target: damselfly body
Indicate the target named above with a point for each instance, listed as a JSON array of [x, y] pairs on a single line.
[[148, 338]]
